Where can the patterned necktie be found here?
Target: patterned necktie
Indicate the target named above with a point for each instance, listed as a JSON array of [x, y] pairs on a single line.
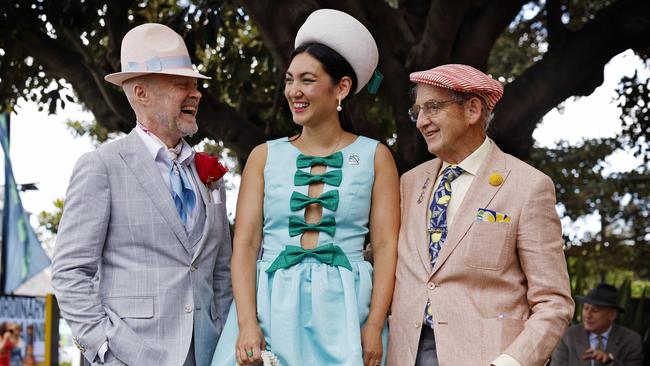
[[182, 192], [438, 223], [599, 347]]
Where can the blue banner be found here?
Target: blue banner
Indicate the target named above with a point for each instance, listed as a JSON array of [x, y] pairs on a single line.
[[22, 253]]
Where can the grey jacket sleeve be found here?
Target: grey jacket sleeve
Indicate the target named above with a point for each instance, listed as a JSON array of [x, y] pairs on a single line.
[[78, 250], [222, 282]]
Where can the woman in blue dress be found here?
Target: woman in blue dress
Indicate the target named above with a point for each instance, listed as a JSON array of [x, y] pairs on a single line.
[[309, 201]]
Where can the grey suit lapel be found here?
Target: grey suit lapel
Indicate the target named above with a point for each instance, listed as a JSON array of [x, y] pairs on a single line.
[[137, 158], [209, 216], [582, 343], [613, 341], [479, 195]]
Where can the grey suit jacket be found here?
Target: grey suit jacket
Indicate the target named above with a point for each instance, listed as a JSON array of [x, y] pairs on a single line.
[[124, 271], [623, 343]]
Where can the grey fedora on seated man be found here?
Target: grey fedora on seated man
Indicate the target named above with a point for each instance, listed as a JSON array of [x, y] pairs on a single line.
[[141, 263], [598, 341]]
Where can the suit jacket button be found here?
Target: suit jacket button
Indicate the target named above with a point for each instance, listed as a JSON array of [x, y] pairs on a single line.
[[431, 285], [188, 308], [192, 268], [416, 324]]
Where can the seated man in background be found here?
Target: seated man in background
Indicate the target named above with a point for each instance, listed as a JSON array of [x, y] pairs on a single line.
[[598, 339]]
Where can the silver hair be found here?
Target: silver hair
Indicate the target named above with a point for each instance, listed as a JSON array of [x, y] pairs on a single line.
[[486, 114]]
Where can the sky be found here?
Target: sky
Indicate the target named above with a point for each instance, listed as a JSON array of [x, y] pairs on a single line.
[[44, 151]]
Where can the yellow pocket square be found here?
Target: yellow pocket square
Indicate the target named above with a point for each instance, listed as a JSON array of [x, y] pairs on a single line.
[[484, 214]]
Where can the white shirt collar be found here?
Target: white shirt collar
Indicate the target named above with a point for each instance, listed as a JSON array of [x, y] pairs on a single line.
[[594, 336], [473, 162], [158, 149]]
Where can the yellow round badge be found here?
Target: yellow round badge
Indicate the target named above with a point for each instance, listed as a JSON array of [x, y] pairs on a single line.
[[496, 179]]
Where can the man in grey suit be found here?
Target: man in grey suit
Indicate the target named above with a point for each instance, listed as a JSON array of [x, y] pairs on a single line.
[[141, 263], [598, 341]]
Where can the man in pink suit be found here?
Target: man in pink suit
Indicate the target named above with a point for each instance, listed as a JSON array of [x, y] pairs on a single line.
[[481, 276]]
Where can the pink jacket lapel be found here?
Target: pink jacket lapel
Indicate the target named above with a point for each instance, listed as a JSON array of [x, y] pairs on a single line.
[[427, 181], [479, 195]]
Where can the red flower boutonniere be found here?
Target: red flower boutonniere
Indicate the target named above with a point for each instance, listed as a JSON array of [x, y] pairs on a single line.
[[209, 168]]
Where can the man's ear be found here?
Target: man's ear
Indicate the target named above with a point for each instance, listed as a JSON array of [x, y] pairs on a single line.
[[140, 92], [473, 110]]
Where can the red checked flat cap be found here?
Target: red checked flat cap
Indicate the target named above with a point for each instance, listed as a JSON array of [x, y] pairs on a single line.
[[461, 78]]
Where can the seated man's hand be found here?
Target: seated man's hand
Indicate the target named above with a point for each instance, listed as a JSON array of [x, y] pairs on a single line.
[[596, 355]]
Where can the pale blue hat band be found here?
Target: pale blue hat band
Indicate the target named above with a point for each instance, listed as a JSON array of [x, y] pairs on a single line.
[[156, 64]]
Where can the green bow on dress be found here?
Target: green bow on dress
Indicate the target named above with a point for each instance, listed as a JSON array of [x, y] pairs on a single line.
[[329, 254], [335, 160], [297, 226], [332, 178], [329, 200]]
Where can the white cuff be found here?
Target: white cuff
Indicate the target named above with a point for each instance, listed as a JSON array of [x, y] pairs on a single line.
[[505, 360], [102, 352]]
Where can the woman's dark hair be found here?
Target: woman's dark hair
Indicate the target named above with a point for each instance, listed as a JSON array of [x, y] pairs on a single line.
[[336, 66]]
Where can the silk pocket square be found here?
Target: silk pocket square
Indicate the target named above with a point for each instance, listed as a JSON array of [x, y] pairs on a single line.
[[484, 214]]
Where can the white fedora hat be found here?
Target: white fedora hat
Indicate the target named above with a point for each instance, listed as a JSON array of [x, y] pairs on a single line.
[[153, 48], [345, 35]]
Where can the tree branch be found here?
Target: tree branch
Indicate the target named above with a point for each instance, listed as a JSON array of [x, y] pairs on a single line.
[[438, 36], [220, 121], [116, 27], [556, 30], [109, 107], [278, 36], [573, 67], [480, 29]]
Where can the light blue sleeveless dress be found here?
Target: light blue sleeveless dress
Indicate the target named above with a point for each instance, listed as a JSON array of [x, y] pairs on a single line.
[[311, 304]]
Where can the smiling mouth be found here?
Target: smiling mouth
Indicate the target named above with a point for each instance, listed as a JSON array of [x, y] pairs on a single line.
[[189, 110], [431, 133], [300, 106]]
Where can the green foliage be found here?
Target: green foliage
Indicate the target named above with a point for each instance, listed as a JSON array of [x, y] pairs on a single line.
[[520, 45], [621, 200], [50, 220], [577, 13], [96, 132], [634, 101]]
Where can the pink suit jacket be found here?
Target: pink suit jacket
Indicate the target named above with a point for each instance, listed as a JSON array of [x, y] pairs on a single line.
[[496, 287]]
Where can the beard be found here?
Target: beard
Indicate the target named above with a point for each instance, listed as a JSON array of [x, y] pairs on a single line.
[[177, 123], [186, 128]]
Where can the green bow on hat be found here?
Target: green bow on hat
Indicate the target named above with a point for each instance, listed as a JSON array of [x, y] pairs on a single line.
[[297, 226], [329, 254], [332, 178], [335, 160], [329, 200]]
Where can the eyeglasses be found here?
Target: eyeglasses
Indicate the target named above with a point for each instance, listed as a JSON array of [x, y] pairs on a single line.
[[430, 108]]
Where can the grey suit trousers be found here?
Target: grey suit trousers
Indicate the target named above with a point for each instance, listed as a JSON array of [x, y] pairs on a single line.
[[427, 355]]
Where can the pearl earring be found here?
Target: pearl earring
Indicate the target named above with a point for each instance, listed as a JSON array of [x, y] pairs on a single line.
[[339, 108]]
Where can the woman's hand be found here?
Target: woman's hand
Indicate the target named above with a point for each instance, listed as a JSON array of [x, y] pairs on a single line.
[[371, 344], [250, 344]]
